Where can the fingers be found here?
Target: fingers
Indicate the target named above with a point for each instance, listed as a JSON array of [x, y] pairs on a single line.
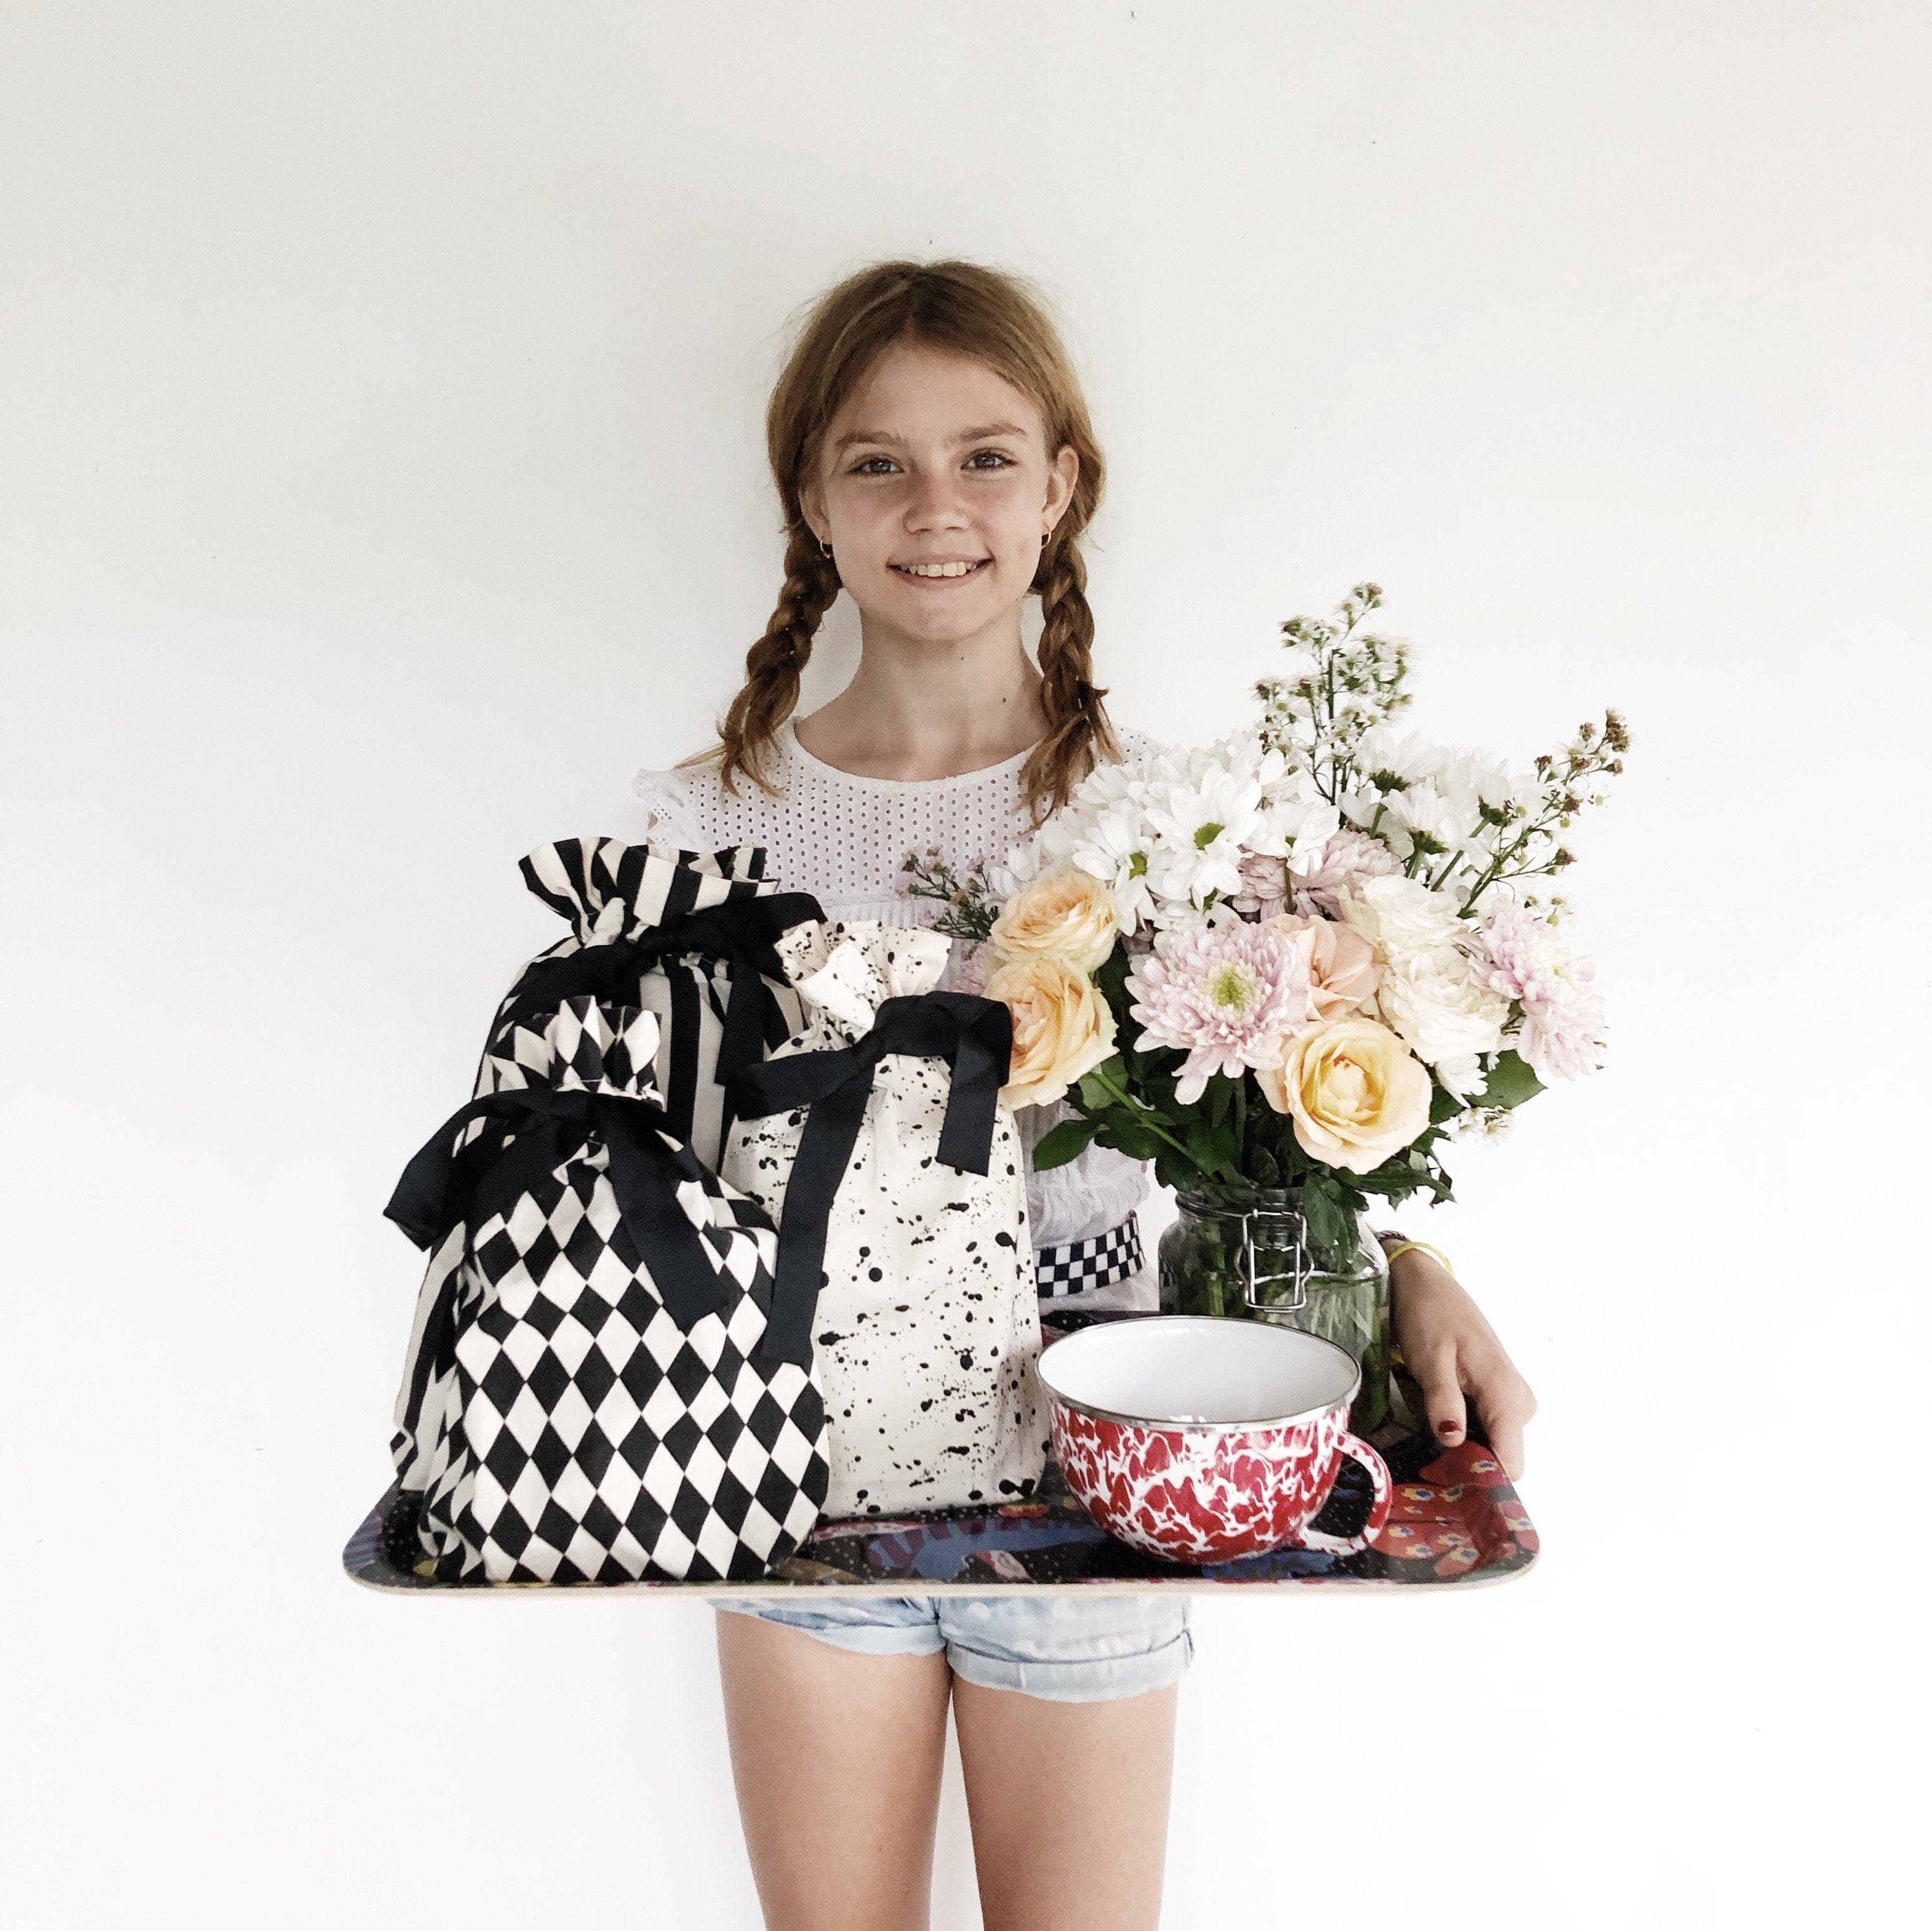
[[1505, 1434], [1505, 1407], [1441, 1395], [1450, 1348]]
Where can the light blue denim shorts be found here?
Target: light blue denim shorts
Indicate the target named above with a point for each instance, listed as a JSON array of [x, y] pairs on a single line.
[[1068, 1649]]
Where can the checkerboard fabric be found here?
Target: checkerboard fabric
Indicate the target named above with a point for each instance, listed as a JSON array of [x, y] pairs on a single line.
[[1084, 1264], [557, 1422]]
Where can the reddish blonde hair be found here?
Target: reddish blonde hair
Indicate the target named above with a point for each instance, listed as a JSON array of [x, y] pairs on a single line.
[[959, 307]]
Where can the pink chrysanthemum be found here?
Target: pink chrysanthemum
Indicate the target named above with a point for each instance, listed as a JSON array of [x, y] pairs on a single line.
[[1562, 1012], [1228, 996], [1347, 859]]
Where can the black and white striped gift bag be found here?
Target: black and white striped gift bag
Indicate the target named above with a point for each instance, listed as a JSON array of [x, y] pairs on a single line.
[[684, 935]]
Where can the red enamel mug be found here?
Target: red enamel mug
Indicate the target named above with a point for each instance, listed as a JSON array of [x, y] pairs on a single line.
[[1201, 1438]]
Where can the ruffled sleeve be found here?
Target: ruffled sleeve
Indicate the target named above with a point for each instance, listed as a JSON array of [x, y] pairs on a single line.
[[670, 815], [1093, 1192], [1137, 744]]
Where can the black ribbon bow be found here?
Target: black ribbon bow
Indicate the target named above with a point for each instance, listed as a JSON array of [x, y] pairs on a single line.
[[741, 931], [443, 1185], [974, 1036]]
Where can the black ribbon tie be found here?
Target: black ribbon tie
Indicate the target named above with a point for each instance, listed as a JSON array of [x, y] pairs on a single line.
[[441, 1186], [741, 931], [974, 1036]]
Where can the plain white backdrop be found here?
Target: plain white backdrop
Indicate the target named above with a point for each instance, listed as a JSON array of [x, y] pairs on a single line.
[[381, 482]]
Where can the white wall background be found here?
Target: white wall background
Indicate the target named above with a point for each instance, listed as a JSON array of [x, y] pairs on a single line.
[[381, 483]]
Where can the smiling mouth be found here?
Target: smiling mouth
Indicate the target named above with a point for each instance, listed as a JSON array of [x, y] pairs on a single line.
[[941, 573]]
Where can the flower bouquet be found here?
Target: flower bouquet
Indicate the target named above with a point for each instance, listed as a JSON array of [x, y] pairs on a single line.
[[1287, 967]]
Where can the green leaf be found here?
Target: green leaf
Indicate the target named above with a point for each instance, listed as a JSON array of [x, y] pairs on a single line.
[[1214, 1149], [1328, 1209], [1171, 1169], [1510, 1084], [1094, 1093], [1154, 1081], [1111, 978], [1136, 1142], [1063, 1142]]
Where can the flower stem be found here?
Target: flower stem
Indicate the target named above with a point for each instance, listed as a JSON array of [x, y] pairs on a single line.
[[1134, 1106]]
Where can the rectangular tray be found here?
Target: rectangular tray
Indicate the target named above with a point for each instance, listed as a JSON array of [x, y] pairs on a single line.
[[1456, 1519]]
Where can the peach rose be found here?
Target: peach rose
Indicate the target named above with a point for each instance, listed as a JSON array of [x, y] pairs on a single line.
[[1069, 914], [1062, 1027], [1355, 1092], [1343, 971]]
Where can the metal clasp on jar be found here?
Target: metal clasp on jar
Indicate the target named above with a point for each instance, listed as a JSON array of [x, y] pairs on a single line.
[[1299, 1271]]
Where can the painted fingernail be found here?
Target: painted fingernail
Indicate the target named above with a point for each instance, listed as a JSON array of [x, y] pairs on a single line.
[[1448, 1427]]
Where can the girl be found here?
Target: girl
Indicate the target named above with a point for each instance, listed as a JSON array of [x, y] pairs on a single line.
[[934, 456]]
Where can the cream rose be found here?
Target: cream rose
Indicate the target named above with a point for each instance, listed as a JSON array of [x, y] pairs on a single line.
[[1343, 971], [1069, 914], [1355, 1092], [1062, 1027]]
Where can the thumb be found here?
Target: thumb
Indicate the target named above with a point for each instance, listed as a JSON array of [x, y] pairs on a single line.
[[1442, 1400]]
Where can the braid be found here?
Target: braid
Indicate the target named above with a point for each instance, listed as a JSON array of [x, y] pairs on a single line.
[[998, 319], [773, 664], [1078, 732]]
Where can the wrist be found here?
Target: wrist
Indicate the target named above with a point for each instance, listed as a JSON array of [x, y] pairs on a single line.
[[1389, 1239], [1397, 1247]]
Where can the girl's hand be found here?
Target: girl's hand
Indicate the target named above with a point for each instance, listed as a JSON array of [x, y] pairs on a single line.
[[1452, 1352]]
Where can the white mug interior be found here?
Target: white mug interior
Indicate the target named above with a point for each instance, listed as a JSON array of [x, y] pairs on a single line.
[[1196, 1369]]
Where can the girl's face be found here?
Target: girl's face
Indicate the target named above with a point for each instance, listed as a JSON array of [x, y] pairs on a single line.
[[934, 487]]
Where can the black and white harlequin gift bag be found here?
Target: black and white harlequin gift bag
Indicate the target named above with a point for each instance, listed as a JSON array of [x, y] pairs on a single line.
[[594, 1392], [877, 1138], [687, 935]]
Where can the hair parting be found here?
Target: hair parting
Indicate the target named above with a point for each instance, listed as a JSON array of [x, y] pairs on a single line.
[[965, 309]]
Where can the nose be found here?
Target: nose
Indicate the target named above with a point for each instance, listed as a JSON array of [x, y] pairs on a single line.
[[935, 501]]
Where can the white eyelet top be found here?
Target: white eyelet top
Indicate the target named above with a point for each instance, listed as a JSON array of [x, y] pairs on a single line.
[[843, 838]]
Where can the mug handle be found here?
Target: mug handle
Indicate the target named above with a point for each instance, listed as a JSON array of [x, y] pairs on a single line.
[[1357, 1450]]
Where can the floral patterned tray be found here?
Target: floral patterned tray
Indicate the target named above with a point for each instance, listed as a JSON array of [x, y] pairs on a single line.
[[1455, 1519]]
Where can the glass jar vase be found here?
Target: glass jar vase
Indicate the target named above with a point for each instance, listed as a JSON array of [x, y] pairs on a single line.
[[1250, 1256]]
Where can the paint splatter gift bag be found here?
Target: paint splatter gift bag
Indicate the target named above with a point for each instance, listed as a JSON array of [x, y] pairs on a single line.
[[876, 1137]]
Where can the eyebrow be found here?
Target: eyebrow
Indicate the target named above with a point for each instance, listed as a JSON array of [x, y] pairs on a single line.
[[965, 436]]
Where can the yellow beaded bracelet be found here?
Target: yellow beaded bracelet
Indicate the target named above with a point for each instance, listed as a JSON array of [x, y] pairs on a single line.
[[1395, 1253]]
